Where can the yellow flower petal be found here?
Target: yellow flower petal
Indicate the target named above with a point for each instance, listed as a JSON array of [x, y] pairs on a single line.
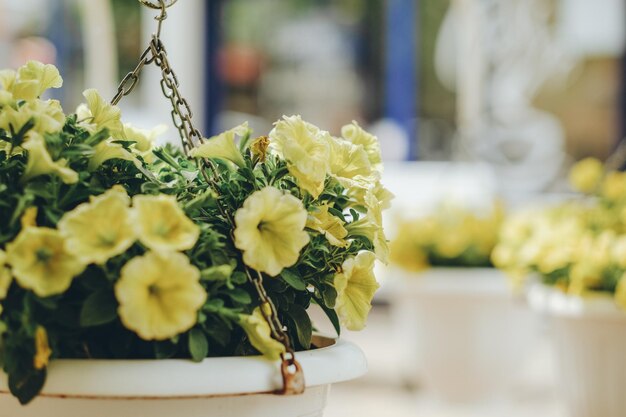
[[144, 139], [306, 149], [29, 217], [270, 230], [34, 78], [222, 146], [41, 263], [159, 295], [98, 114], [328, 225], [356, 286], [107, 150], [259, 334], [42, 348], [259, 147], [101, 229], [162, 225], [40, 162], [348, 160], [355, 134]]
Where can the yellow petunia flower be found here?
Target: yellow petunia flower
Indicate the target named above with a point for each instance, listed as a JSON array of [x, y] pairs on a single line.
[[162, 225], [348, 161], [42, 349], [355, 134], [356, 285], [375, 215], [159, 295], [144, 139], [259, 334], [328, 225], [34, 78], [100, 229], [270, 230], [98, 114], [222, 146], [5, 276], [306, 149], [47, 116], [586, 174], [41, 263], [106, 150], [40, 162]]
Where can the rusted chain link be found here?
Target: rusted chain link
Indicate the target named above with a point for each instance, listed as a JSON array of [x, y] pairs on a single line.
[[293, 377]]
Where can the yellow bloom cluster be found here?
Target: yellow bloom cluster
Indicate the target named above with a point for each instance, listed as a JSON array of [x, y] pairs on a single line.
[[578, 246], [451, 236], [159, 293]]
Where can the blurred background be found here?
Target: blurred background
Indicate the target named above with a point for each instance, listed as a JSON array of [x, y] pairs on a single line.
[[471, 100]]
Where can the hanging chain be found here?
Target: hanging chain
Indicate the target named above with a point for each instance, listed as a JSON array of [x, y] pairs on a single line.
[[293, 377]]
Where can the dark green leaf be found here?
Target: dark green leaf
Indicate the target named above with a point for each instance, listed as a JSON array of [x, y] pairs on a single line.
[[26, 385], [198, 345], [99, 308], [240, 296], [304, 329], [292, 278]]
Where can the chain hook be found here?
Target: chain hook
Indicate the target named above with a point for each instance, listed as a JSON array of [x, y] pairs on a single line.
[[160, 18]]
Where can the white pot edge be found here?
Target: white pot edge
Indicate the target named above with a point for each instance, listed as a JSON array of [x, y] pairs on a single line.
[[212, 377], [548, 300], [478, 281]]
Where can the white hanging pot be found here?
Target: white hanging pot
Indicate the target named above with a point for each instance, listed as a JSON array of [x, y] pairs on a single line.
[[465, 334], [589, 340], [216, 387]]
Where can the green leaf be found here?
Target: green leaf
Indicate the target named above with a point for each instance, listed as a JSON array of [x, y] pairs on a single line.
[[304, 328], [26, 385], [332, 316], [165, 350], [99, 308], [292, 278], [240, 296], [329, 296], [198, 345]]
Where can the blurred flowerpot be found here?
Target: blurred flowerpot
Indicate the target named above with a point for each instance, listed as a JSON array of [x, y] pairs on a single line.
[[467, 334], [589, 340], [217, 387]]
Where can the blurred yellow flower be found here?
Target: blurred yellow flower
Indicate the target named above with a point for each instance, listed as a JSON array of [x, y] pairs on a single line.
[[259, 334], [98, 114], [159, 295], [47, 116], [586, 174], [356, 286], [42, 348], [270, 230], [305, 148], [614, 186], [5, 276], [405, 251], [100, 229], [40, 261], [162, 225], [29, 217], [40, 162], [222, 146], [355, 134], [330, 226]]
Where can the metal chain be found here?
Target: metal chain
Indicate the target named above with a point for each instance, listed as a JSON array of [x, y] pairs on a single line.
[[293, 377]]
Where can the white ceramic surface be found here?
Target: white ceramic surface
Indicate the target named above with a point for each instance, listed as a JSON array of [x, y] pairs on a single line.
[[217, 387], [590, 350], [465, 335]]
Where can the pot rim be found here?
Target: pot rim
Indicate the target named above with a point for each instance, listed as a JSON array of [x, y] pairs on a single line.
[[549, 300], [184, 379], [451, 281]]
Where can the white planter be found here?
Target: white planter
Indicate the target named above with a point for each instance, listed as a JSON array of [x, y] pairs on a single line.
[[217, 387], [590, 350], [465, 335]]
